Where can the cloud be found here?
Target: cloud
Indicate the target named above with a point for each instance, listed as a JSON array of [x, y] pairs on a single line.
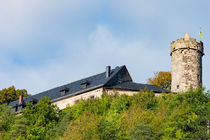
[[78, 60], [134, 9], [44, 44], [23, 21]]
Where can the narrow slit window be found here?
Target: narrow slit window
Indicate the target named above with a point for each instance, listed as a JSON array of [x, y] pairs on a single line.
[[177, 86]]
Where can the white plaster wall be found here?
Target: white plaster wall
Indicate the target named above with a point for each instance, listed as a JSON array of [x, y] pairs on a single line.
[[127, 92], [71, 100], [96, 93]]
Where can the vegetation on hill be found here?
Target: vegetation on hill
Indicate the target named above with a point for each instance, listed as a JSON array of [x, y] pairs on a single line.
[[141, 116]]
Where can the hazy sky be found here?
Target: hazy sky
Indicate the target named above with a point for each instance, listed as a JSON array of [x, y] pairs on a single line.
[[47, 43]]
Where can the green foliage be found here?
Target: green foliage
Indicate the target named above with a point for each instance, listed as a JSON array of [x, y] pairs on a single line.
[[144, 132], [6, 120], [19, 128], [40, 118], [120, 104], [109, 126], [84, 127], [145, 99], [10, 94], [99, 106], [141, 116]]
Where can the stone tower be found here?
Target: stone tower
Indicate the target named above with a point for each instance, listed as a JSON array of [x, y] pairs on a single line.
[[186, 60]]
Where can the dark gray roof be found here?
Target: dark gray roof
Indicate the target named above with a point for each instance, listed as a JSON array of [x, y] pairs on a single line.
[[136, 87], [119, 79], [75, 87]]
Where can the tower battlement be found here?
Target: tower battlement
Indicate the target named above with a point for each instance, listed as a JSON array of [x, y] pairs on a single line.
[[186, 61], [186, 43]]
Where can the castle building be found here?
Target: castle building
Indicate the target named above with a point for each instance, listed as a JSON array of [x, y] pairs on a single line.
[[186, 62], [89, 88], [186, 59]]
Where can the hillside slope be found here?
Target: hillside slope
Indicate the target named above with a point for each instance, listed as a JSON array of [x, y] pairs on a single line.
[[142, 116]]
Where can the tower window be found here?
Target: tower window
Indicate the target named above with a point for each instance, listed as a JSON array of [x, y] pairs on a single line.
[[177, 86], [182, 51]]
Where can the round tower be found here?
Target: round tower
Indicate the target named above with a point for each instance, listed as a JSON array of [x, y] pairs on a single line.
[[186, 61]]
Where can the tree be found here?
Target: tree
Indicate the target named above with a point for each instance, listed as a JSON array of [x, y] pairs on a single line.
[[18, 130], [40, 118], [7, 118], [85, 127], [144, 132], [10, 94], [161, 79]]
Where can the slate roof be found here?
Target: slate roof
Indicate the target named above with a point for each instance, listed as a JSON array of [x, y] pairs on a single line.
[[119, 79], [74, 88], [137, 86]]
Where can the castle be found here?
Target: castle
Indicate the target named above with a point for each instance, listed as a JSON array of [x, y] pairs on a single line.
[[186, 60]]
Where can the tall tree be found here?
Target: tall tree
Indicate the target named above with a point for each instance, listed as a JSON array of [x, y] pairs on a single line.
[[161, 79], [11, 94]]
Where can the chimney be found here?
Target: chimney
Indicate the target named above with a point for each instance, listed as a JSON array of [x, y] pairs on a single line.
[[20, 98], [108, 71]]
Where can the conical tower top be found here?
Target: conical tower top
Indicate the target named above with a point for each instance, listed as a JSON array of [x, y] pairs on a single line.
[[187, 36]]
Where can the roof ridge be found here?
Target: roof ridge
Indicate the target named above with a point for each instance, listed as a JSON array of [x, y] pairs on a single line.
[[81, 80], [115, 71]]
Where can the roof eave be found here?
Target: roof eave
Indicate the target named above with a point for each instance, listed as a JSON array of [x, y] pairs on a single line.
[[134, 89], [77, 93]]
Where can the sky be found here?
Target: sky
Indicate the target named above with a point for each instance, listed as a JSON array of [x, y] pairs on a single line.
[[48, 43]]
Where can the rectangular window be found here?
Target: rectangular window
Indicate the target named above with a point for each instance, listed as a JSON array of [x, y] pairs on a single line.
[[92, 97]]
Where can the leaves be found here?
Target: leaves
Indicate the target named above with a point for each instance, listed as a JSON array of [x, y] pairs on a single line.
[[141, 116], [161, 79], [10, 94]]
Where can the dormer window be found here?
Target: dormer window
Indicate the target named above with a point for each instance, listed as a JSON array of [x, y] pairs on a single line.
[[64, 91], [85, 84]]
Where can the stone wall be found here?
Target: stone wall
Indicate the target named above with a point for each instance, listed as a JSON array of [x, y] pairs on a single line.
[[127, 92], [186, 62]]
